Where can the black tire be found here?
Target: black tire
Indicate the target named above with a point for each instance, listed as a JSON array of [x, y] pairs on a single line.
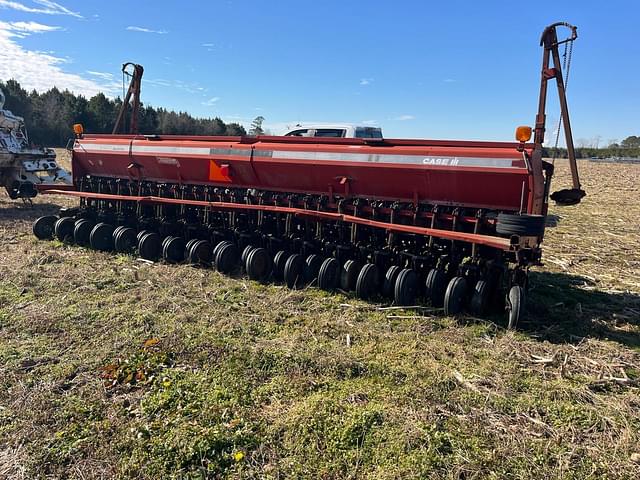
[[141, 234], [259, 264], [150, 246], [101, 237], [64, 229], [480, 297], [455, 296], [44, 227], [349, 275], [245, 255], [525, 225], [227, 258], [515, 306], [187, 248], [166, 240], [311, 268], [82, 232], [406, 288], [293, 270], [173, 250], [200, 253], [436, 286], [217, 248], [389, 284], [368, 281], [279, 262], [125, 241], [329, 274]]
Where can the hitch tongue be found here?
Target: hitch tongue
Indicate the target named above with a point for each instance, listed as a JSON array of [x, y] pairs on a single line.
[[568, 196]]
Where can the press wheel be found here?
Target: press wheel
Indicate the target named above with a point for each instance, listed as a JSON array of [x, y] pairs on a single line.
[[101, 237], [349, 275], [64, 228], [227, 258], [293, 270], [455, 296], [173, 250], [368, 280], [200, 253], [406, 288], [44, 227], [82, 232], [436, 287], [480, 297], [329, 274], [259, 264], [390, 278], [150, 246], [279, 262], [312, 267]]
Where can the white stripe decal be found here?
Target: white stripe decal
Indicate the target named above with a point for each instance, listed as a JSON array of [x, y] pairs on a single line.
[[306, 155]]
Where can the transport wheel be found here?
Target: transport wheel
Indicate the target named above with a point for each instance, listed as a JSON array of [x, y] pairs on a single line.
[[101, 237], [329, 274], [480, 297], [312, 266], [259, 264], [526, 225], [293, 270], [64, 229], [368, 281], [125, 240], [454, 296], [44, 227], [82, 232], [389, 284], [173, 250], [279, 262], [200, 253], [436, 286], [227, 258], [406, 288], [141, 234], [515, 306], [245, 255], [150, 247], [349, 275]]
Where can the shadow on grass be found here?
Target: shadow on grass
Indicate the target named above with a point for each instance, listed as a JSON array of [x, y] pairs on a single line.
[[19, 210], [567, 308]]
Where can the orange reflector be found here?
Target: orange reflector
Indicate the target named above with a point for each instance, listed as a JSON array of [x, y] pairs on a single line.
[[523, 134], [78, 129], [219, 173]]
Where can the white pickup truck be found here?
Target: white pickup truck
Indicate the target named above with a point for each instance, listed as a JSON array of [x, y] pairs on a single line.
[[335, 131]]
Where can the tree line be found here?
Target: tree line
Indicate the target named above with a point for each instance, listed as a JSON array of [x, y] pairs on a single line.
[[50, 115]]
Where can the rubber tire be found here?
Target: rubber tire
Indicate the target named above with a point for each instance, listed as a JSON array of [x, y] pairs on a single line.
[[64, 229], [245, 255], [150, 246], [125, 241], [227, 258], [524, 225], [259, 264], [311, 268], [200, 253], [173, 250], [515, 306], [480, 297], [82, 232], [389, 283], [329, 274], [101, 237], [368, 281], [141, 234], [455, 296], [349, 275], [188, 247], [279, 262], [406, 288], [217, 248], [44, 227], [436, 287], [293, 270]]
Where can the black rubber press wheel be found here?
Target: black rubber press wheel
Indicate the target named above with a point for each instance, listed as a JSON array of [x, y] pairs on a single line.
[[329, 274], [200, 253], [82, 232], [436, 286], [455, 296], [312, 267], [349, 275], [279, 262], [173, 250], [480, 297], [44, 227], [150, 246], [406, 288], [293, 270], [101, 237], [125, 240], [259, 264], [389, 284], [64, 229], [368, 281], [227, 258]]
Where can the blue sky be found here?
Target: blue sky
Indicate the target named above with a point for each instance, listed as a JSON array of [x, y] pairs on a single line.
[[455, 69]]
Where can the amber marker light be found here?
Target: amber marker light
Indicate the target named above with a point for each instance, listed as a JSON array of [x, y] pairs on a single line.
[[523, 134]]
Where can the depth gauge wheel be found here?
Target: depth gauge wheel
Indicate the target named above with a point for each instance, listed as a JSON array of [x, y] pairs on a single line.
[[329, 274], [245, 254], [64, 229], [293, 270], [200, 253], [227, 258], [125, 240], [259, 264], [349, 275], [311, 268], [390, 278], [455, 296], [44, 227], [173, 250], [279, 262], [150, 246], [406, 288], [101, 237], [368, 281], [436, 286], [82, 232]]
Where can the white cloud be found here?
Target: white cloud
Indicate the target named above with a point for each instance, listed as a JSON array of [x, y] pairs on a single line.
[[366, 81], [102, 75], [46, 7], [404, 118], [449, 80], [369, 122], [211, 102], [145, 30], [208, 45], [39, 70]]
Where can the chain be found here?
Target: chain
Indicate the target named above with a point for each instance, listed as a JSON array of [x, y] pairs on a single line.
[[566, 66]]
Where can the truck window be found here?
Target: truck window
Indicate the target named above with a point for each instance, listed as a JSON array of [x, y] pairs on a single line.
[[298, 133], [368, 132], [330, 132]]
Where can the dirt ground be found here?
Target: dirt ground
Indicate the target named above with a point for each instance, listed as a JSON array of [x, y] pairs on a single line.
[[115, 368]]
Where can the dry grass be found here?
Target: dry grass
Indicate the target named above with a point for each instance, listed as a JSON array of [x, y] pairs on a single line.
[[253, 381]]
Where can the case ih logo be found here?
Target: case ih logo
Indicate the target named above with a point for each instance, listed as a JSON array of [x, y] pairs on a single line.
[[447, 161]]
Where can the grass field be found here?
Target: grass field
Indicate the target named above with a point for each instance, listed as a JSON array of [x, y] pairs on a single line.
[[115, 368]]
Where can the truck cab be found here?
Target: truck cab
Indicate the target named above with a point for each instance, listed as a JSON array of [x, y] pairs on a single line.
[[335, 131]]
